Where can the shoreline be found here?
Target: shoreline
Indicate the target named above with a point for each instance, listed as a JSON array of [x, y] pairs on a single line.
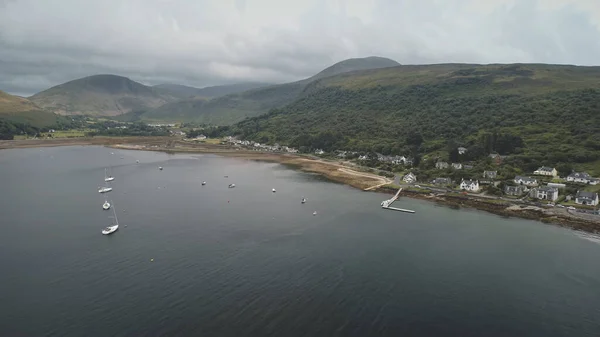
[[331, 170]]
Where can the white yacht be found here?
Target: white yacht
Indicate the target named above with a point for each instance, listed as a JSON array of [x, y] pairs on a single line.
[[104, 189], [274, 191], [114, 226], [160, 168], [203, 183], [106, 205], [108, 176]]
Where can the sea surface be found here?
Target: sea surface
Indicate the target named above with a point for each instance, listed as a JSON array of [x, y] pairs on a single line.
[[193, 260]]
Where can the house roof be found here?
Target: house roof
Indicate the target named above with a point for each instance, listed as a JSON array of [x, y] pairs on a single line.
[[469, 181], [529, 179], [547, 188], [583, 175], [546, 169], [586, 195]]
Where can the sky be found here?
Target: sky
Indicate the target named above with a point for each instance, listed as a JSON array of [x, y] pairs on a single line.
[[201, 43]]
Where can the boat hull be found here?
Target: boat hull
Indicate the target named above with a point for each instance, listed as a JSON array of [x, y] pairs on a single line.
[[104, 190], [110, 230], [109, 179]]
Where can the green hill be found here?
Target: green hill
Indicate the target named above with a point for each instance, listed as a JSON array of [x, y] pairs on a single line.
[[235, 107], [100, 95], [21, 110], [536, 113], [184, 92]]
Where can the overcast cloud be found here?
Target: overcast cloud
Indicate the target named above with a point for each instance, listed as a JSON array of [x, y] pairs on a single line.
[[201, 43]]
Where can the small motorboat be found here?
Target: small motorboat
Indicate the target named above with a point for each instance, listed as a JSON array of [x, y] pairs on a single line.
[[160, 168], [106, 205], [315, 213], [226, 176], [231, 185], [108, 176], [274, 191], [304, 200], [203, 183]]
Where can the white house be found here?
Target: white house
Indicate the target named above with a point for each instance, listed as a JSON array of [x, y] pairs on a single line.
[[579, 177], [586, 198], [457, 166], [440, 165], [470, 185], [544, 193], [546, 171], [410, 178], [527, 181]]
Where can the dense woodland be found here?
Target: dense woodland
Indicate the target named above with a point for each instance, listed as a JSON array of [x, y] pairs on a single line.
[[433, 120]]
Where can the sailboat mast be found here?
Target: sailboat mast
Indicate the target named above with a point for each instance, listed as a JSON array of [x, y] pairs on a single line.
[[114, 212]]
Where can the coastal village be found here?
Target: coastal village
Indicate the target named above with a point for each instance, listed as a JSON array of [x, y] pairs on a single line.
[[542, 187]]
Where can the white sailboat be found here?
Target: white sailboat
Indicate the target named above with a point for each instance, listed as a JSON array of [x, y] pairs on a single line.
[[115, 225], [104, 189], [106, 205], [108, 176]]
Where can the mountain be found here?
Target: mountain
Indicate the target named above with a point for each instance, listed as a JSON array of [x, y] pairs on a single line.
[[100, 95], [537, 114], [235, 107], [19, 109], [208, 92]]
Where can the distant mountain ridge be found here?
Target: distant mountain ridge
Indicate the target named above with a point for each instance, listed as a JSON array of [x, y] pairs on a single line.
[[235, 107], [100, 95], [208, 92], [20, 109]]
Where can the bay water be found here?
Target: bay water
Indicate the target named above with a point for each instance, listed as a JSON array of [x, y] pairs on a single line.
[[193, 260]]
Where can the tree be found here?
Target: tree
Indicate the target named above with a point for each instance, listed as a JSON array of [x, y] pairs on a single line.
[[453, 155]]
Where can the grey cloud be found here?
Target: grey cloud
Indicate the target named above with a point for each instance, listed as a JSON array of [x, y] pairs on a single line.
[[201, 43]]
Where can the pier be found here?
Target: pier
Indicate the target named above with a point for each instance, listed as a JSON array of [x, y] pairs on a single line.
[[386, 204]]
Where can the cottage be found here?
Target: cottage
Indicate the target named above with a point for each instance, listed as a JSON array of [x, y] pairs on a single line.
[[516, 191], [469, 185], [410, 178], [586, 198], [579, 177], [440, 165], [457, 166], [496, 158], [546, 171], [442, 181], [462, 150], [544, 193], [397, 160], [490, 174], [527, 181]]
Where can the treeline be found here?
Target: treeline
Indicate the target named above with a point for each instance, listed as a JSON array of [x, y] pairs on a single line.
[[111, 128], [10, 129]]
